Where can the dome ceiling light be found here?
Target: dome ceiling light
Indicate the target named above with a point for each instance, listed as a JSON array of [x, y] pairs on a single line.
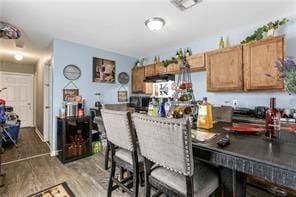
[[18, 57], [155, 23]]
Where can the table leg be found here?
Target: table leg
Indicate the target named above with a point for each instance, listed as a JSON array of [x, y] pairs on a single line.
[[233, 183]]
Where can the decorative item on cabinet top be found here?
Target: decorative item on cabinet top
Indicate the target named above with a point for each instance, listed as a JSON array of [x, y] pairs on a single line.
[[268, 29]]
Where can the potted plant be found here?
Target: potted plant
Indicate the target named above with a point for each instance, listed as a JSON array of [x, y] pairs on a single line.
[[287, 69], [272, 26], [268, 30]]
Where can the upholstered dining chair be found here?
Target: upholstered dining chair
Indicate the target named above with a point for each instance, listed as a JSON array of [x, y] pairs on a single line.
[[166, 146], [100, 124], [124, 154]]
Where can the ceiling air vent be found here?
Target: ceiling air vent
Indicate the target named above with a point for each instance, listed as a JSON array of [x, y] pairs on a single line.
[[184, 4]]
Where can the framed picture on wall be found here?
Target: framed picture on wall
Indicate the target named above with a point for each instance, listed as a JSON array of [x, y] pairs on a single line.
[[103, 70], [70, 94], [122, 96]]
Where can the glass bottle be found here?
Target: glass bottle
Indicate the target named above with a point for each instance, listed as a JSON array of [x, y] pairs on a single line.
[[272, 120], [205, 118], [221, 43]]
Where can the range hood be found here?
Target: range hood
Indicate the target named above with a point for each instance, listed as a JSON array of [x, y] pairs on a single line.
[[160, 78]]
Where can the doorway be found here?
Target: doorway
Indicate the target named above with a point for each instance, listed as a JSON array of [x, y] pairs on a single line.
[[19, 94]]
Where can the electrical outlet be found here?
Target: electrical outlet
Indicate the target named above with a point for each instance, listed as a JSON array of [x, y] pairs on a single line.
[[234, 103]]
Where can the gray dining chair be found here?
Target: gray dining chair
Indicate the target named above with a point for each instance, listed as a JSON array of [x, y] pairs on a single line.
[[166, 146], [122, 139], [98, 120]]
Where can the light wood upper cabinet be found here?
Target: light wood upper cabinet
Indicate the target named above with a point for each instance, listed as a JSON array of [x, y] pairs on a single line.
[[138, 77], [148, 88], [197, 62], [173, 68], [259, 59], [225, 69], [150, 70], [160, 69]]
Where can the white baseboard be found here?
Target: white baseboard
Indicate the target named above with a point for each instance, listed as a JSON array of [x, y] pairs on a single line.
[[39, 134], [54, 153]]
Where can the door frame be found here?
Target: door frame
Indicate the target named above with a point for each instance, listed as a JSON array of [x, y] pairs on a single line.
[[47, 102], [32, 76]]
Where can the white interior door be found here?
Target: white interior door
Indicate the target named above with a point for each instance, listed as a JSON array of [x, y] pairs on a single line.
[[19, 95], [47, 99]]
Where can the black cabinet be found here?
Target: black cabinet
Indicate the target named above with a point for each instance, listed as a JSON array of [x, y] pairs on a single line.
[[74, 138]]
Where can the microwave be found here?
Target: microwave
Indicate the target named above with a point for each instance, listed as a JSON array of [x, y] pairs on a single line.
[[140, 103]]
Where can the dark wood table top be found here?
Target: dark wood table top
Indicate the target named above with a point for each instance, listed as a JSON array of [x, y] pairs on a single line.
[[253, 155]]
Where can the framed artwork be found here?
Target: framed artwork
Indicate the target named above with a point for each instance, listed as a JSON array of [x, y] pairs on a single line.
[[70, 94], [103, 70], [122, 96]]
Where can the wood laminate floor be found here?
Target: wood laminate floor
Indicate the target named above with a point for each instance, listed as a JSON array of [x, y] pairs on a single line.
[[29, 145], [86, 177]]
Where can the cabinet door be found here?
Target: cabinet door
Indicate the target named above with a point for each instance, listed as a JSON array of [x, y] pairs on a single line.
[[149, 70], [160, 69], [148, 88], [259, 59], [197, 62], [138, 76], [225, 69], [173, 68]]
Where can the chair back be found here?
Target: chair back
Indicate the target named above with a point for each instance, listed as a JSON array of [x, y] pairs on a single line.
[[166, 142], [117, 107], [119, 128]]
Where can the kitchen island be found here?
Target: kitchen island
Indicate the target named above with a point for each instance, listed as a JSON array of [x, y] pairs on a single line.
[[249, 155]]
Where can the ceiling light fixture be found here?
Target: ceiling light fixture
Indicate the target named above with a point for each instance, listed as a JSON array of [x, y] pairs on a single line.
[[184, 4], [18, 57], [155, 23]]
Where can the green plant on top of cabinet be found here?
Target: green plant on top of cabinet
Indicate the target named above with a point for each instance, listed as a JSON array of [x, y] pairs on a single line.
[[225, 69], [260, 58]]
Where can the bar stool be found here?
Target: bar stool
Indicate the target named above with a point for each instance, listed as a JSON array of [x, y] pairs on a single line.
[[122, 139], [166, 146]]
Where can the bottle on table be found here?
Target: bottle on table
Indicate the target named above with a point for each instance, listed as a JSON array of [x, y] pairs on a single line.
[[205, 117], [272, 120]]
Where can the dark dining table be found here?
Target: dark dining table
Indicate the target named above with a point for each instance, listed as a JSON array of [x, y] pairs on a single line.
[[274, 161]]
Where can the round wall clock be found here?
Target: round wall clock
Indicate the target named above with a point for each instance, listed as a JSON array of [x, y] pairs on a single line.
[[123, 78], [72, 72]]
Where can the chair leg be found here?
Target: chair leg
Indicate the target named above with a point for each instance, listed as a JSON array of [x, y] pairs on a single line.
[[147, 168], [107, 156], [112, 173], [141, 179], [135, 179], [121, 174]]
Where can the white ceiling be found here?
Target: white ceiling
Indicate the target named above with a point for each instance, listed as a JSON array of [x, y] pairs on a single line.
[[118, 25]]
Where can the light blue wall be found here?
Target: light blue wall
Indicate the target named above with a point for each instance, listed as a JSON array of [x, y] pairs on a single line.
[[65, 53], [245, 99]]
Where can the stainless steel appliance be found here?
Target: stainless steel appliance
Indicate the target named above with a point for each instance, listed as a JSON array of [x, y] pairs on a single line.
[[140, 103], [71, 109]]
